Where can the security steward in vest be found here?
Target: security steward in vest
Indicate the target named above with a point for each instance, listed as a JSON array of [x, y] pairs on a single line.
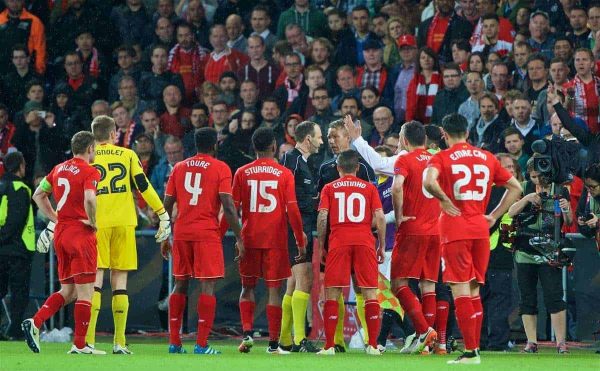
[[17, 240]]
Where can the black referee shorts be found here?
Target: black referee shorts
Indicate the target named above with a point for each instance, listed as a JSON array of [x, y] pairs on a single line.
[[309, 223]]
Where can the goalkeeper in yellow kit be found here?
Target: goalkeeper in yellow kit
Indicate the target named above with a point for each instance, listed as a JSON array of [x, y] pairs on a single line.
[[121, 175]]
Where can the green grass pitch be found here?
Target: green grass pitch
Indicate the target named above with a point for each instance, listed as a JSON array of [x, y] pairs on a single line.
[[150, 355]]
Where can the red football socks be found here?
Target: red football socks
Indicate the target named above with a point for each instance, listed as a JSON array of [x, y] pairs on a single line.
[[429, 309], [51, 306], [83, 312], [412, 307], [331, 320], [274, 321], [441, 320], [206, 317], [372, 311], [478, 308], [176, 307], [465, 315], [247, 315]]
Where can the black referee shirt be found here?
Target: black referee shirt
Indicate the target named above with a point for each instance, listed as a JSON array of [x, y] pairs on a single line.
[[306, 192], [328, 172]]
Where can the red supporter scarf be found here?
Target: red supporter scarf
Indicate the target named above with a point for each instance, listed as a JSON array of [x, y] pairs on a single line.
[[128, 136], [94, 63], [293, 92]]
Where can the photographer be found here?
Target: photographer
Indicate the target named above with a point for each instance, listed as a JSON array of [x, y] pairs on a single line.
[[536, 210], [588, 210]]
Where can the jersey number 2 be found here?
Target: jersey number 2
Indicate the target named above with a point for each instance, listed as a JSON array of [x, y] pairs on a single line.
[[481, 183]]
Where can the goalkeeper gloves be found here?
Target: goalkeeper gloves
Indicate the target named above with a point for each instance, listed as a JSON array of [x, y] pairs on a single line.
[[164, 227], [45, 238]]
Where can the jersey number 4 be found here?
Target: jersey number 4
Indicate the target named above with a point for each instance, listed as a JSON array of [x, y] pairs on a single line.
[[483, 174], [347, 209]]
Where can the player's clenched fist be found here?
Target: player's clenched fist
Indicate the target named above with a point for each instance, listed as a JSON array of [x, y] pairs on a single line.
[[239, 250], [164, 227]]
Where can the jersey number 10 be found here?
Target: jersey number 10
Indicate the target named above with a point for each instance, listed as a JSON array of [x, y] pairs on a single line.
[[346, 209]]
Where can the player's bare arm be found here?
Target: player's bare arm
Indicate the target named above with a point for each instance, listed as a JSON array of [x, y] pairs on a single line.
[[231, 216], [514, 192], [42, 200], [89, 204], [432, 186], [398, 198], [152, 199], [322, 231], [165, 246], [381, 227]]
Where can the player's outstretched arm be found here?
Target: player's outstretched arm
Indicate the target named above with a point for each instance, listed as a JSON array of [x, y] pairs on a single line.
[[231, 216], [432, 186], [89, 204], [322, 230], [381, 228]]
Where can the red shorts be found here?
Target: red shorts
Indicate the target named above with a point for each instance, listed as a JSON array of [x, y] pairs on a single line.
[[341, 260], [76, 253], [198, 259], [272, 265], [416, 257], [465, 260]]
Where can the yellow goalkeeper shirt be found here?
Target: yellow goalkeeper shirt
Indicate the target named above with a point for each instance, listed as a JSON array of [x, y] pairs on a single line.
[[121, 175]]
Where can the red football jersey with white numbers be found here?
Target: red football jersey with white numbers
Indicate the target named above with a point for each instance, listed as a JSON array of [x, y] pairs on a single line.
[[351, 203], [69, 182], [265, 191], [466, 175], [417, 201], [196, 183]]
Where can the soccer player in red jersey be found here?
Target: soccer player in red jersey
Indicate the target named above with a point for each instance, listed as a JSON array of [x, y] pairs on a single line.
[[350, 205], [416, 251], [461, 178], [199, 185], [265, 193], [73, 184]]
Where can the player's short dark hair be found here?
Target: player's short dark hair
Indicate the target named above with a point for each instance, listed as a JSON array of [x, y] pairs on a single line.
[[13, 161], [263, 139], [348, 161], [414, 132], [455, 125], [304, 129], [205, 139], [102, 126], [81, 142], [593, 172], [433, 134]]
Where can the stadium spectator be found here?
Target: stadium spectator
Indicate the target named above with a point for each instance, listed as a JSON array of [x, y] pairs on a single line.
[[227, 8], [563, 49], [144, 148], [394, 28], [125, 55], [127, 128], [230, 88], [454, 93], [593, 22], [173, 149], [374, 72], [513, 142], [541, 39], [383, 122], [423, 87], [502, 30], [188, 59], [133, 22], [95, 63], [369, 100], [470, 107], [537, 72], [350, 105], [17, 77], [175, 120], [437, 32], [407, 46], [195, 16], [17, 241], [530, 128], [18, 26], [270, 114], [222, 58], [352, 44], [164, 34], [128, 95], [490, 37], [580, 34], [323, 114], [487, 132], [100, 107], [588, 210], [68, 118], [219, 116], [249, 97], [303, 104], [298, 41], [346, 82], [236, 149], [293, 85], [461, 50], [165, 9], [583, 91], [7, 131], [320, 51], [151, 123], [260, 22], [559, 74], [468, 9], [235, 33], [310, 19], [521, 53], [500, 79], [261, 71], [152, 83]]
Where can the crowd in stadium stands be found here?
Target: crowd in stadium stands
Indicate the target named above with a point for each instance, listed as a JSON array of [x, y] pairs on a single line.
[[163, 68]]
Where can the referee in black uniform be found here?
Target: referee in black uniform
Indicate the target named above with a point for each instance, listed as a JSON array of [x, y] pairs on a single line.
[[308, 141]]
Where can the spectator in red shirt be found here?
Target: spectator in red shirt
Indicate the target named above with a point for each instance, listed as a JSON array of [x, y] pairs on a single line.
[[7, 131], [176, 119], [583, 91], [222, 58]]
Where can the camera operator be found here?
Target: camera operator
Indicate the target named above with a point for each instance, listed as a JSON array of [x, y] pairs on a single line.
[[532, 265], [588, 210]]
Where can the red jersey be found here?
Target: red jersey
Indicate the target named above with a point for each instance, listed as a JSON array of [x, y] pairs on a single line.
[[196, 184], [417, 201], [466, 175], [351, 203], [69, 182], [266, 193]]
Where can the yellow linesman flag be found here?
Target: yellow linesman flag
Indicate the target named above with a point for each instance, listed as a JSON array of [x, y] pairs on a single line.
[[387, 300]]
